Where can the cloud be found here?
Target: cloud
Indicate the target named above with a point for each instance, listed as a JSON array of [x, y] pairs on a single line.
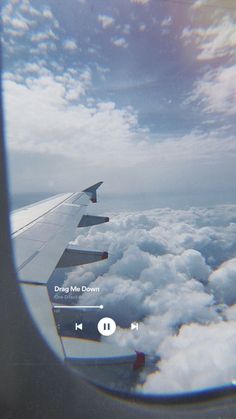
[[27, 8], [216, 90], [142, 27], [52, 96], [44, 47], [70, 45], [222, 282], [143, 2], [43, 36], [166, 22], [165, 268], [14, 25], [107, 140], [215, 39], [19, 24], [32, 67], [201, 356], [230, 312], [199, 3], [119, 42], [47, 13], [105, 21]]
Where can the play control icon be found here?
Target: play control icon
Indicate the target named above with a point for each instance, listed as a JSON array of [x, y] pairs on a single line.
[[106, 326], [78, 326], [134, 326]]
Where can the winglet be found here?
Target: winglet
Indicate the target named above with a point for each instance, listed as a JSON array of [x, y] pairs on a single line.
[[92, 191]]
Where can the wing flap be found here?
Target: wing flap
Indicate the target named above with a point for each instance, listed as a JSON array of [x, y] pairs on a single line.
[[74, 256], [91, 220], [92, 352]]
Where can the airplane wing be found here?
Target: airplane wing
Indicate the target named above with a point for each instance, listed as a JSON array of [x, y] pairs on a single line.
[[41, 234]]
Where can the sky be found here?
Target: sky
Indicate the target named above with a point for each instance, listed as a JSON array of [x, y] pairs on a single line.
[[138, 93]]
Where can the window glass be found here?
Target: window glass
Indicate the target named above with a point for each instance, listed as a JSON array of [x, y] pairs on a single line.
[[140, 94]]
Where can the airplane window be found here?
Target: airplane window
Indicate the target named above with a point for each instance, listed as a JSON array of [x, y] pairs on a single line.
[[140, 94]]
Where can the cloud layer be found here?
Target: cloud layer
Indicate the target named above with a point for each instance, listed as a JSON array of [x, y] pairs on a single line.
[[174, 272], [105, 141]]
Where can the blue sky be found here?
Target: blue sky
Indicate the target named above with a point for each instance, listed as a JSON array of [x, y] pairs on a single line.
[[138, 93]]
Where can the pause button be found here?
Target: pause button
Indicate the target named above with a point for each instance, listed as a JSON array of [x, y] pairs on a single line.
[[106, 326]]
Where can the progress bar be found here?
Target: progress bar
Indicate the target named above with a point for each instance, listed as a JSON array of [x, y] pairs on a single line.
[[71, 307]]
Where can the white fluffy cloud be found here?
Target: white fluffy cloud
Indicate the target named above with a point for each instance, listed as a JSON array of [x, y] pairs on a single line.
[[19, 24], [199, 3], [101, 136], [174, 272], [217, 90], [215, 39], [49, 98], [140, 1], [70, 44], [142, 27], [47, 13], [43, 36], [106, 20], [222, 282], [120, 42], [200, 356], [26, 7], [167, 22]]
